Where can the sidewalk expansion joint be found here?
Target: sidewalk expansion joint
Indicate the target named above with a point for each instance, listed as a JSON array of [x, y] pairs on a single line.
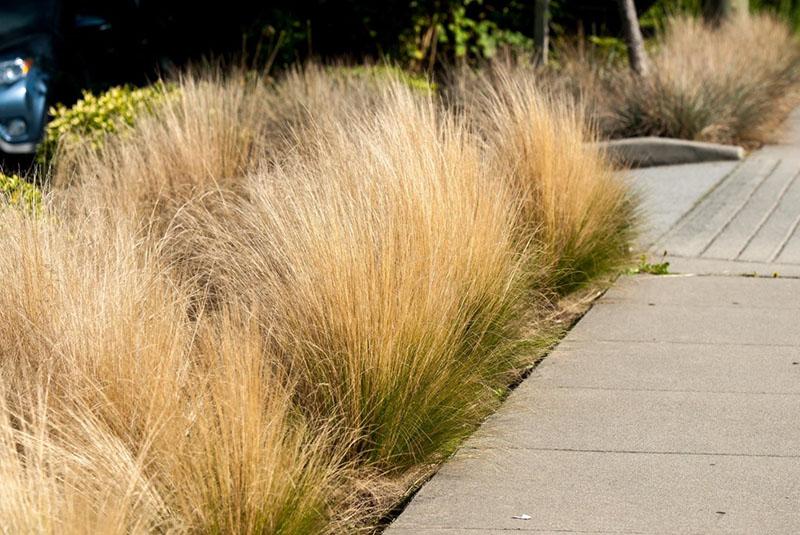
[[665, 390], [440, 529], [621, 302], [683, 342], [500, 447], [786, 238]]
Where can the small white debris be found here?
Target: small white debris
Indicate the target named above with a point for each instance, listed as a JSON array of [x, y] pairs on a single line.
[[521, 517]]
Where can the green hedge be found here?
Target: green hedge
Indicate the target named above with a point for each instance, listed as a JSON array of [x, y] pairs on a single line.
[[15, 191], [93, 117]]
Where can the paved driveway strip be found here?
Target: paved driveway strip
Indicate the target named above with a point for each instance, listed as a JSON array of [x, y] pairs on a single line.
[[673, 405]]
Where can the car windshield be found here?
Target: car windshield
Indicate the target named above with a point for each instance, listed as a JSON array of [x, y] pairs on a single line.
[[20, 17]]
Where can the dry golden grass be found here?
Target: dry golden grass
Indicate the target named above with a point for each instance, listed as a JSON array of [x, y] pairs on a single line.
[[575, 208], [248, 461], [65, 472], [122, 416], [213, 132], [248, 312], [240, 314], [386, 246], [732, 84]]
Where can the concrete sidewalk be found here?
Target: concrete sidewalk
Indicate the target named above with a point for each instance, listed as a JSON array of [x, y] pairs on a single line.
[[672, 406], [747, 223]]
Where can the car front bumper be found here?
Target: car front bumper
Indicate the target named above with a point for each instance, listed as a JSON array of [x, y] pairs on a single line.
[[17, 148]]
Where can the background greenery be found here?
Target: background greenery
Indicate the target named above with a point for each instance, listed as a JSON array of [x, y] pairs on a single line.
[[424, 33]]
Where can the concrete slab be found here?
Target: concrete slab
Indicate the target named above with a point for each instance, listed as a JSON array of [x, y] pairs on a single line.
[[777, 223], [696, 232], [677, 323], [790, 250], [673, 367], [448, 531], [734, 292], [610, 493], [751, 215], [649, 436], [539, 417], [759, 209], [668, 193], [472, 531]]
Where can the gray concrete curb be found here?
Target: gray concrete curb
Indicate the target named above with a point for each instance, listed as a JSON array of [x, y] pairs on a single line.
[[651, 151]]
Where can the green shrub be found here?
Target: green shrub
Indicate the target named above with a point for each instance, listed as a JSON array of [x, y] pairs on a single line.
[[458, 31], [16, 191], [94, 116]]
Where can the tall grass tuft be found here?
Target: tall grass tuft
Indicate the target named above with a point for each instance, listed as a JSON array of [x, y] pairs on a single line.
[[211, 130], [121, 415], [732, 84], [388, 264], [574, 208], [249, 461]]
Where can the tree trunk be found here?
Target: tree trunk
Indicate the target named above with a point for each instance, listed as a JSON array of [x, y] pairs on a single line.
[[633, 37], [541, 29], [718, 10]]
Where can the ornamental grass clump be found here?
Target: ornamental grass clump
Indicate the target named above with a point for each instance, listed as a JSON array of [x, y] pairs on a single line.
[[389, 267], [262, 307], [208, 132], [119, 414], [730, 84], [212, 131], [575, 209]]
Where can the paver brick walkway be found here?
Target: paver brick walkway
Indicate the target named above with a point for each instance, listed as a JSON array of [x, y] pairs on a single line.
[[749, 222], [673, 405], [752, 217]]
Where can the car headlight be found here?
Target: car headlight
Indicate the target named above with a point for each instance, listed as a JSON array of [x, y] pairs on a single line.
[[11, 71], [16, 127]]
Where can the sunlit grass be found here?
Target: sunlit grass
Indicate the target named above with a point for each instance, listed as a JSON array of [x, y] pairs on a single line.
[[241, 314]]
